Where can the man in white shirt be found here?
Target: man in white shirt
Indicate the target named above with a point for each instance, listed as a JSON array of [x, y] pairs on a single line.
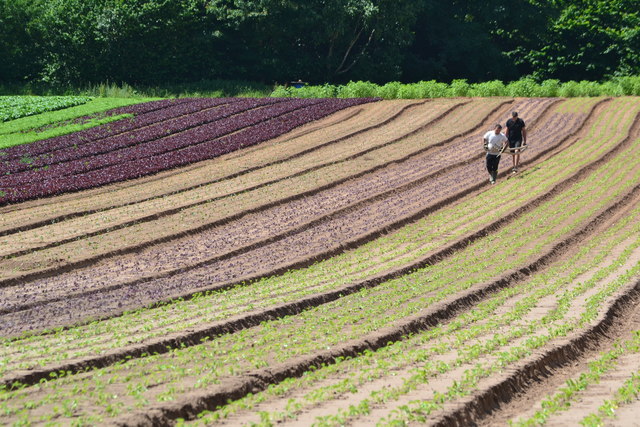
[[494, 142]]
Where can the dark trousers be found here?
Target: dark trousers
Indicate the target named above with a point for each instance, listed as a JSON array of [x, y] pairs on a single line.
[[492, 163]]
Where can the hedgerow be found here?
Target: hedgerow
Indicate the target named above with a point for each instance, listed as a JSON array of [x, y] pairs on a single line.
[[525, 87]]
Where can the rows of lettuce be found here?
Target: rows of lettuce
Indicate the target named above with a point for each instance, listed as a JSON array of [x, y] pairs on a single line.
[[162, 135], [15, 107], [201, 367]]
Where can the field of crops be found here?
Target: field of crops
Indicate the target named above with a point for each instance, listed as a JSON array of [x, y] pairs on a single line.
[[242, 261]]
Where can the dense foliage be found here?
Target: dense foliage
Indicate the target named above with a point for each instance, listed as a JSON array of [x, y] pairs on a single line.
[[61, 42], [14, 107]]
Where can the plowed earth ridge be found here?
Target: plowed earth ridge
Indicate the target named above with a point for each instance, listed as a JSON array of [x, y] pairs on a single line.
[[377, 211], [183, 202], [375, 340], [176, 340], [194, 176]]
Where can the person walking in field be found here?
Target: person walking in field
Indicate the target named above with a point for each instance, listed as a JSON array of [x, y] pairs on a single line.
[[494, 142], [517, 135]]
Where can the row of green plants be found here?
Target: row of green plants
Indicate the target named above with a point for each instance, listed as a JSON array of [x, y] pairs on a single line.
[[570, 393], [15, 107], [353, 317], [525, 87], [471, 336], [395, 250], [62, 121], [627, 394]]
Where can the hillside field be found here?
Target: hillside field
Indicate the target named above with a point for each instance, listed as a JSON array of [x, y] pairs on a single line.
[[328, 262]]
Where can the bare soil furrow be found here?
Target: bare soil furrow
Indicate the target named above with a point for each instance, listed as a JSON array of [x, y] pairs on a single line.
[[196, 402], [209, 272], [57, 234], [230, 166], [443, 311], [422, 167], [124, 241]]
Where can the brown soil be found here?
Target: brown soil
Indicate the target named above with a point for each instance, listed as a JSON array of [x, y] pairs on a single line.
[[233, 324], [332, 129], [204, 211], [397, 204], [254, 380]]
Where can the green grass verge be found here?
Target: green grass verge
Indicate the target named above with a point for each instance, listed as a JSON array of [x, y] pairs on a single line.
[[55, 123]]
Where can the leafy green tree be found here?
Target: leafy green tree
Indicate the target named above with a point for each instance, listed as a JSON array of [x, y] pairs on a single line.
[[317, 40]]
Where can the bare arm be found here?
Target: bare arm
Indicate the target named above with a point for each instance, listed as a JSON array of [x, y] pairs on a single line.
[[524, 136]]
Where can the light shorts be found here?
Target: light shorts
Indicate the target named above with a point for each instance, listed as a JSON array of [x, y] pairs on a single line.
[[515, 144]]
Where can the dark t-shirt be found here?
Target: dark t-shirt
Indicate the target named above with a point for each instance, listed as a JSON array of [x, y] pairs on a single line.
[[515, 129]]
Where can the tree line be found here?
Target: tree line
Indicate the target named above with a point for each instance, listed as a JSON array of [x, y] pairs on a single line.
[[62, 42]]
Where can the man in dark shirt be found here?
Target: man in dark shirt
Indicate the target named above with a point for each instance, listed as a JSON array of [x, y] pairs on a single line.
[[517, 135]]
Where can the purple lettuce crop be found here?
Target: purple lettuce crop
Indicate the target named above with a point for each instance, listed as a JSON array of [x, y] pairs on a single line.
[[90, 155], [229, 128], [41, 151]]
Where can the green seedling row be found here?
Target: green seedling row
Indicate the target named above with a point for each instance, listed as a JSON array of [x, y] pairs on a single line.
[[396, 250], [15, 107], [352, 317], [627, 394], [566, 395], [459, 335]]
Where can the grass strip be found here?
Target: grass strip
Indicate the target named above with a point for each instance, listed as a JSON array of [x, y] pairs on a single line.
[[92, 107]]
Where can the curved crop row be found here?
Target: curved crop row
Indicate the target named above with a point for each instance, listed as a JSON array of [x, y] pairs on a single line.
[[148, 127], [145, 141], [200, 215], [195, 145], [350, 122], [398, 251], [156, 257], [142, 112], [359, 317], [385, 382], [356, 207]]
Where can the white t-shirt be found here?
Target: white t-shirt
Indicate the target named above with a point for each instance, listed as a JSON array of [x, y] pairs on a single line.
[[496, 141]]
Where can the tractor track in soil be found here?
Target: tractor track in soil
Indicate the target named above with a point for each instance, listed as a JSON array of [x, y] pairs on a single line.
[[251, 382], [47, 272], [252, 319]]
